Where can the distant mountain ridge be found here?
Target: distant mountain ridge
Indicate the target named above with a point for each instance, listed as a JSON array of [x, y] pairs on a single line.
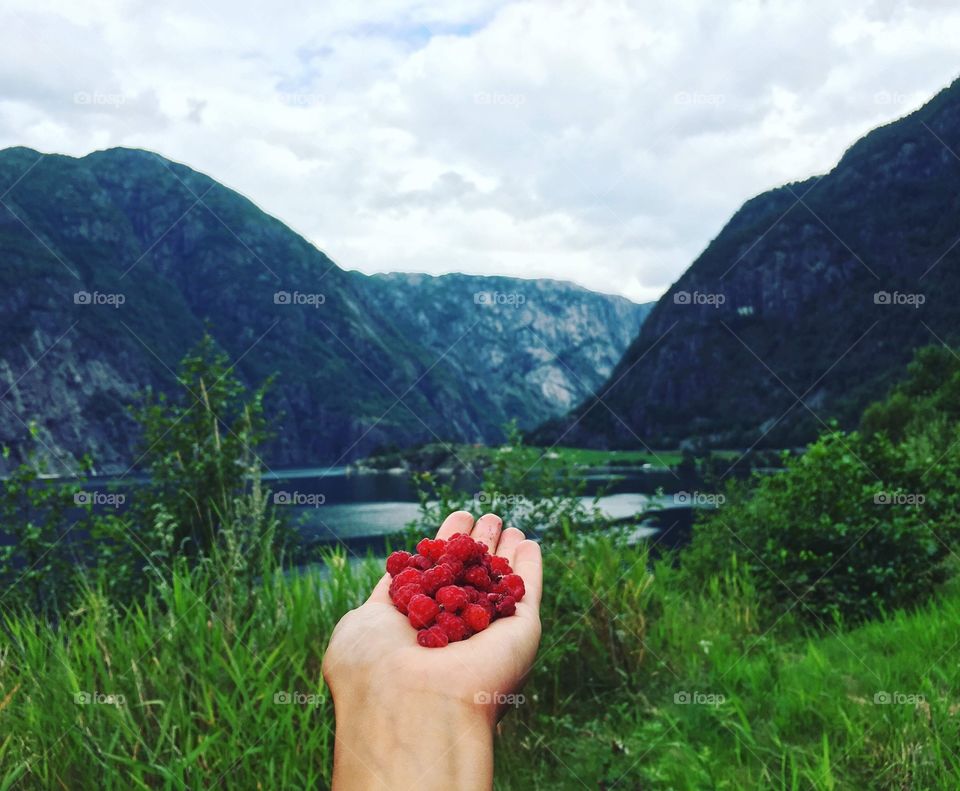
[[804, 308], [114, 263]]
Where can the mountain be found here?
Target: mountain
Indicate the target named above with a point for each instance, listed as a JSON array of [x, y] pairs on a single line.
[[114, 263], [543, 345], [804, 308]]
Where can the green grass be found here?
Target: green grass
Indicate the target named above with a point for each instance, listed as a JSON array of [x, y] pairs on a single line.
[[200, 662], [435, 455]]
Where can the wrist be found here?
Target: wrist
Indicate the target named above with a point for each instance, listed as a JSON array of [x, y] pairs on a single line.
[[433, 740]]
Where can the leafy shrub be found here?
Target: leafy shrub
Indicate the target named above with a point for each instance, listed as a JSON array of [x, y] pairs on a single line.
[[841, 533]]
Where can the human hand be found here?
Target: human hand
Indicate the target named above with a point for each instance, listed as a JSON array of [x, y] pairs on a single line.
[[412, 716]]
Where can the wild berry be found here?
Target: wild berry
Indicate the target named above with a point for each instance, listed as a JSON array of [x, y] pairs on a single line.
[[452, 598], [434, 637], [452, 589], [514, 584], [422, 610], [437, 577], [478, 577], [476, 617], [401, 599], [453, 627], [397, 562]]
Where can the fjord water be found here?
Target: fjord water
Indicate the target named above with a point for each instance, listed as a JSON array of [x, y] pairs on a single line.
[[334, 504]]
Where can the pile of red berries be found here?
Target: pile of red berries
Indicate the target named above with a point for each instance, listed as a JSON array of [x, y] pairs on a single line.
[[452, 589]]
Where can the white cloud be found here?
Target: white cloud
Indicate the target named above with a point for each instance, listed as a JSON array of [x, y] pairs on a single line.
[[603, 142]]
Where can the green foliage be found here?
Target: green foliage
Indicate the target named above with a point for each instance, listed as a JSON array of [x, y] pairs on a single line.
[[199, 666], [862, 522], [38, 565], [826, 537], [531, 489], [204, 494]]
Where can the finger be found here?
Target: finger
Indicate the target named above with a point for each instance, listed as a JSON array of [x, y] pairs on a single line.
[[381, 591], [509, 541], [528, 563], [487, 530], [457, 522]]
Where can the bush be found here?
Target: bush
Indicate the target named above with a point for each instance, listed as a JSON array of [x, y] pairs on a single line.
[[841, 533]]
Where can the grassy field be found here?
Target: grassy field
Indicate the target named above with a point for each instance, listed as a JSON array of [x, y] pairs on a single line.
[[437, 455], [640, 683]]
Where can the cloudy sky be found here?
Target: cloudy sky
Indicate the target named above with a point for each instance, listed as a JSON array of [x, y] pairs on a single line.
[[600, 142]]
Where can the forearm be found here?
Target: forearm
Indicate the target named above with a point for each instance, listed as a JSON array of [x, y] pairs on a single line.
[[422, 743]]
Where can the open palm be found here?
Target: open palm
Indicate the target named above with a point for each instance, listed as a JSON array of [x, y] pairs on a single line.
[[374, 646]]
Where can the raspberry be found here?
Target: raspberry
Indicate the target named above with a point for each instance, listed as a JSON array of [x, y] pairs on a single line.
[[513, 583], [432, 549], [452, 598], [463, 548], [420, 562], [397, 562], [478, 577], [499, 565], [455, 564], [421, 610], [401, 599], [476, 617], [505, 605], [406, 577], [453, 627], [434, 637], [436, 578], [452, 589]]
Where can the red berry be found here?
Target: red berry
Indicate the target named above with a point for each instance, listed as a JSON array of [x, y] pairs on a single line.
[[455, 564], [500, 565], [434, 637], [476, 617], [506, 605], [513, 583], [397, 562], [462, 547], [452, 598], [453, 627], [478, 577], [431, 548], [422, 610], [401, 598], [420, 562], [406, 577], [437, 577], [473, 595]]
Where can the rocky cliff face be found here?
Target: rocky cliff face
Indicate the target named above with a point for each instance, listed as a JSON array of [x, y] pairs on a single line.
[[113, 265], [542, 345], [806, 305]]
